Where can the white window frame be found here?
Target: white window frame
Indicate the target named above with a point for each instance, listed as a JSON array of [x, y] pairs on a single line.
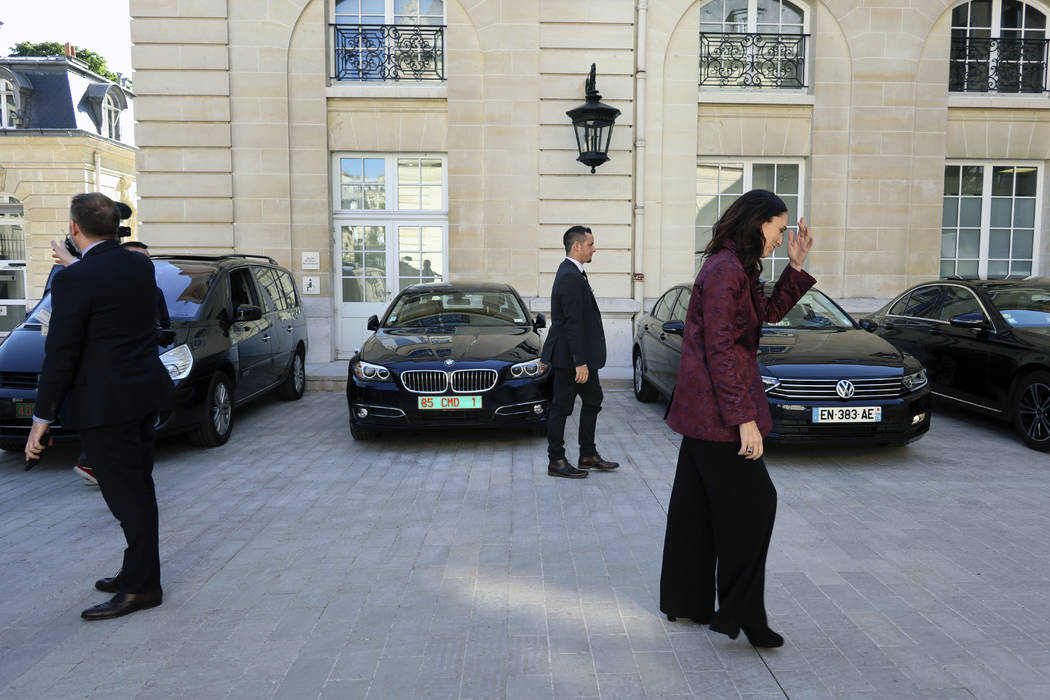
[[986, 210], [752, 18], [995, 32], [8, 104], [774, 264], [110, 118], [389, 16], [16, 266], [391, 182]]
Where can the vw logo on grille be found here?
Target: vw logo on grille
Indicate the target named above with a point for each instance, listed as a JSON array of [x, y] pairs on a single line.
[[449, 363], [844, 388]]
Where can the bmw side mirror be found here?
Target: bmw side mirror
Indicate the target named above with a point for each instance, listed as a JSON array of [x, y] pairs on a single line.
[[674, 327], [373, 323], [540, 322], [247, 312], [869, 325], [968, 321]]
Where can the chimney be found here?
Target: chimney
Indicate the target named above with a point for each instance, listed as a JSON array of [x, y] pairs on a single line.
[[69, 50]]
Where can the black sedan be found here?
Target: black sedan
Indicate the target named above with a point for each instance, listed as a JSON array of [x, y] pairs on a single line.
[[450, 355], [985, 344], [827, 380]]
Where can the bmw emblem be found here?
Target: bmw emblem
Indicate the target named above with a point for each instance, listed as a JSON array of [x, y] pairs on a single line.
[[449, 363], [844, 389]]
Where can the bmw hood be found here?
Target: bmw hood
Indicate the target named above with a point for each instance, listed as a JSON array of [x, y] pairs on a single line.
[[857, 353], [391, 346]]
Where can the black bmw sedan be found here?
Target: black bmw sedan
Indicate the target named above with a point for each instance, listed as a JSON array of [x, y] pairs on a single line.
[[827, 379], [985, 344], [450, 355]]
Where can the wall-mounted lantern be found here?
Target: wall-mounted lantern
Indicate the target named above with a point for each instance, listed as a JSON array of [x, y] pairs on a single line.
[[593, 123]]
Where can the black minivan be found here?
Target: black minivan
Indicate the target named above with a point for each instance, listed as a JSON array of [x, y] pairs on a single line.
[[239, 330]]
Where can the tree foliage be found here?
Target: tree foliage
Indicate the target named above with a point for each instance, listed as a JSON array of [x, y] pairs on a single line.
[[94, 61]]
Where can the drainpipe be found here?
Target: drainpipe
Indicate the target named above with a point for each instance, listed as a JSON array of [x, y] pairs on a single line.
[[638, 265], [97, 158]]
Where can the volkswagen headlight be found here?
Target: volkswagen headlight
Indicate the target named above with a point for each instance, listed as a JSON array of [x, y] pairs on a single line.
[[178, 361], [367, 372], [528, 370], [770, 383], [915, 381]]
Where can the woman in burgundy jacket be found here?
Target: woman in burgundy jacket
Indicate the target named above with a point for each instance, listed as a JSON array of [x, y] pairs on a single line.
[[723, 502]]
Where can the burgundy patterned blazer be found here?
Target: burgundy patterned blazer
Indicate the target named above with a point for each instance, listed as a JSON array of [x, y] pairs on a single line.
[[719, 386]]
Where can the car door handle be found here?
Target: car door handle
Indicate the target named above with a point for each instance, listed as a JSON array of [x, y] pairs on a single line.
[[888, 324], [663, 336], [290, 329], [645, 326], [266, 338]]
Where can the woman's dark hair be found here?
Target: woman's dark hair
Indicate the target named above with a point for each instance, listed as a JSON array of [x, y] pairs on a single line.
[[742, 224]]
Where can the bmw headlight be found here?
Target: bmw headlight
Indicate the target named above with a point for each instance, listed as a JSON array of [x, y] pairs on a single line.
[[178, 361], [528, 370], [770, 383], [915, 381], [367, 372]]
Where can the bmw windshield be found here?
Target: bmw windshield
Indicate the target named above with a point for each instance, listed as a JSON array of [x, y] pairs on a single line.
[[454, 307]]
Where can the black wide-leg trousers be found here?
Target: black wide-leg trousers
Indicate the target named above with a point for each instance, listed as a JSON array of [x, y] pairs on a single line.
[[565, 392], [719, 523], [122, 457]]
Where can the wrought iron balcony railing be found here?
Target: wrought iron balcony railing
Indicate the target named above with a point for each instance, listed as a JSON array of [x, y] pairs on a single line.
[[388, 52], [753, 60], [1010, 65]]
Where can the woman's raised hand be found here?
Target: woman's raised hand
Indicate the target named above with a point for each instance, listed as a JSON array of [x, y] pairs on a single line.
[[799, 244]]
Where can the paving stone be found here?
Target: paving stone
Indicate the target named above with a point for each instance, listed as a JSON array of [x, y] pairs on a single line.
[[299, 563]]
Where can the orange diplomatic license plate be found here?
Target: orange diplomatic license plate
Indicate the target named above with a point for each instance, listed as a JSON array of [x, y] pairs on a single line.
[[439, 403]]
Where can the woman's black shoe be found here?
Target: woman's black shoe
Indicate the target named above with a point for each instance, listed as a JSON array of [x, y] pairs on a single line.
[[763, 637], [727, 630], [697, 620]]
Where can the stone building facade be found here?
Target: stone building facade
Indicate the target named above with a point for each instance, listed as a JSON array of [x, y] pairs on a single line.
[[914, 137], [63, 130]]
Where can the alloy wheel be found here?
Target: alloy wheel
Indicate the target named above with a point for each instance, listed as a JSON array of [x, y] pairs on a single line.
[[1034, 412], [638, 373], [299, 373], [221, 409]]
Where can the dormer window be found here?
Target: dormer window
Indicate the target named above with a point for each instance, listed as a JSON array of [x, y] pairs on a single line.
[[111, 118]]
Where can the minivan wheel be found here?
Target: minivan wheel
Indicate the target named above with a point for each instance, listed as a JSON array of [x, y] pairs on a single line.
[[643, 390], [1031, 410], [295, 383], [217, 422]]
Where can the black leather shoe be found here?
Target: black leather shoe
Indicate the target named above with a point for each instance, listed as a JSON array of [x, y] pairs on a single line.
[[763, 637], [561, 467], [596, 462], [123, 604], [110, 584]]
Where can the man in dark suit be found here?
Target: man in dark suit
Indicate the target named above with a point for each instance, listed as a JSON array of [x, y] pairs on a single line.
[[102, 374], [575, 347]]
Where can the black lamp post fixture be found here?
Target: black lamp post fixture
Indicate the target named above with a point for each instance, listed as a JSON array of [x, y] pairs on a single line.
[[593, 123]]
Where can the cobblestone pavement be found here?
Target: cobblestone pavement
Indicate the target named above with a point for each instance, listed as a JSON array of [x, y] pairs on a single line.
[[299, 564]]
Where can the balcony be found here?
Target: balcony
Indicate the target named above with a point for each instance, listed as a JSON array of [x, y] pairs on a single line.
[[776, 61], [388, 52], [1004, 65]]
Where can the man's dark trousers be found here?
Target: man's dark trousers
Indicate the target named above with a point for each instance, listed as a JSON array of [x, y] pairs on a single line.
[[565, 391], [125, 476]]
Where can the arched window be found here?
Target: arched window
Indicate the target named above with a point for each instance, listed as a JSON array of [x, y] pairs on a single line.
[[998, 46], [111, 118], [8, 105], [12, 263], [753, 44]]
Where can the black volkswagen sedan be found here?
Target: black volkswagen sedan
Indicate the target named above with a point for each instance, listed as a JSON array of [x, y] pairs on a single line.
[[827, 379], [450, 355], [985, 344]]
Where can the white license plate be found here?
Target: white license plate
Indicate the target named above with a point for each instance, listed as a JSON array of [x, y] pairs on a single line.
[[852, 414], [448, 403]]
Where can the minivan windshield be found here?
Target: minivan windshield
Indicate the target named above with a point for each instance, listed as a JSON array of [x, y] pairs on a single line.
[[456, 307], [1023, 307], [814, 311], [185, 286]]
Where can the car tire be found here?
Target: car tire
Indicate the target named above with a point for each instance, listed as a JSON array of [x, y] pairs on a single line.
[[362, 434], [217, 423], [643, 390], [1031, 410], [295, 383], [13, 445]]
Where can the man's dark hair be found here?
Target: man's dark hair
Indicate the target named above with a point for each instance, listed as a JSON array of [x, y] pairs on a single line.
[[134, 244], [95, 214], [574, 234]]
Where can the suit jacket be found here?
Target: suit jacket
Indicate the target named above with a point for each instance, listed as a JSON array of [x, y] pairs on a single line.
[[719, 386], [576, 336], [100, 357]]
